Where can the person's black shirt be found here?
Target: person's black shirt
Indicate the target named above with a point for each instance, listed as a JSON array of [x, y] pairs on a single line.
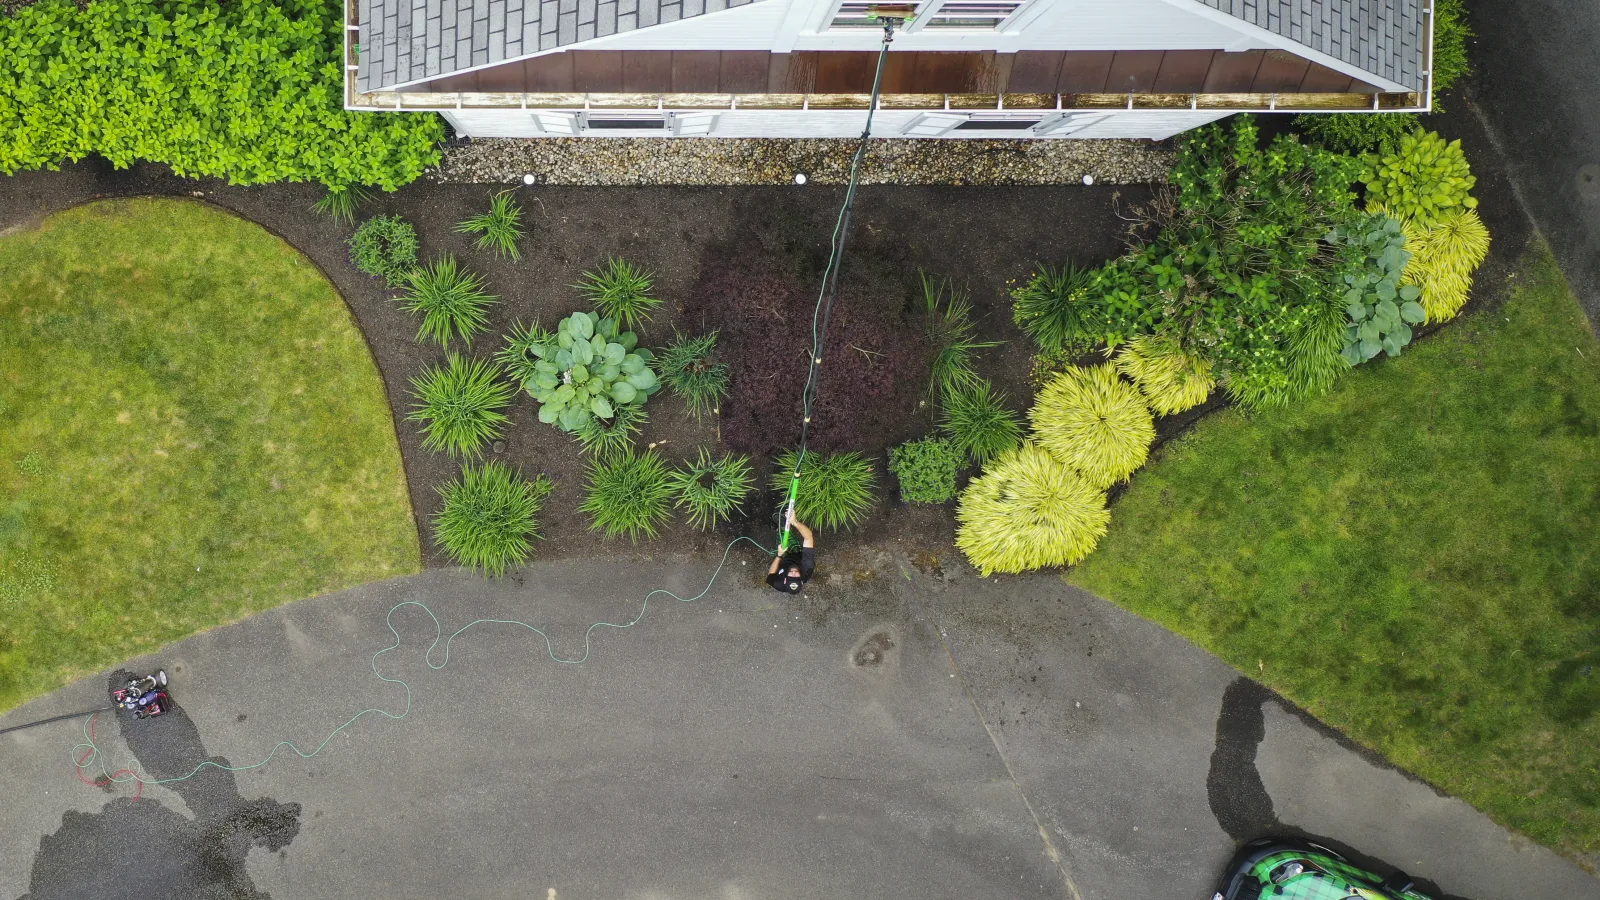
[[804, 560]]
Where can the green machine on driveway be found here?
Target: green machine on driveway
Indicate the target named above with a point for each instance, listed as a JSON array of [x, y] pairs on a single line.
[[1289, 869]]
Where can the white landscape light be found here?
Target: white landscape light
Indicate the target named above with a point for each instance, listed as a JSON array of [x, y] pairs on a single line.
[[528, 178], [799, 178], [1088, 179]]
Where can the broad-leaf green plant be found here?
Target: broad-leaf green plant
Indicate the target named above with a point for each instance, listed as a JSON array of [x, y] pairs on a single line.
[[452, 301], [711, 489], [620, 290], [926, 469], [1027, 511], [488, 520], [836, 489], [630, 495], [1380, 308], [587, 369], [1422, 179], [460, 405]]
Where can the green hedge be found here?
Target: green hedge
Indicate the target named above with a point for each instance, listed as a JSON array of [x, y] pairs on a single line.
[[249, 91]]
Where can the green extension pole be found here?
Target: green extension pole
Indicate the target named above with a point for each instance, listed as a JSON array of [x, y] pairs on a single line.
[[788, 510]]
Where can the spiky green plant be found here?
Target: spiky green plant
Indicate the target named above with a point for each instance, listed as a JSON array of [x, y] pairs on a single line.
[[1096, 423], [835, 488], [342, 203], [712, 489], [979, 421], [521, 354], [1444, 258], [1170, 379], [1028, 510], [1047, 306], [608, 439], [689, 366], [1315, 357], [621, 291], [630, 495], [499, 229], [488, 520], [459, 405], [452, 301], [948, 321]]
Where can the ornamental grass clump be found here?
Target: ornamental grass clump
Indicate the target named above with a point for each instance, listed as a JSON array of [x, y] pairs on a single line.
[[1443, 259], [711, 489], [1170, 379], [629, 495], [835, 488], [488, 520], [689, 366], [926, 469], [459, 405], [978, 421], [620, 290], [948, 322], [1422, 179], [1096, 423], [1028, 510], [608, 439], [385, 247], [341, 204], [499, 229], [1049, 306], [452, 301]]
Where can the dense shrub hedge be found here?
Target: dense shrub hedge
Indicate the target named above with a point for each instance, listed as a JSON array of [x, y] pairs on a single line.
[[249, 91]]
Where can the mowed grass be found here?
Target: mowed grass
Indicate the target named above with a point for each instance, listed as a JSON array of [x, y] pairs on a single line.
[[1415, 558], [191, 430]]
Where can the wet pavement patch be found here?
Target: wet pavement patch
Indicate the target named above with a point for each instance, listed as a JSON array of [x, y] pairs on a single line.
[[871, 651]]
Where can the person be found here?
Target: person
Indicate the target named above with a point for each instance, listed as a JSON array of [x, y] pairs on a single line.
[[790, 571]]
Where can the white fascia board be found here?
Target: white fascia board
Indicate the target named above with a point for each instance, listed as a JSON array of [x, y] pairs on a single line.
[[1278, 41]]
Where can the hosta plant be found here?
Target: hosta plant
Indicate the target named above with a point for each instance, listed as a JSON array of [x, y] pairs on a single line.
[[585, 370], [1380, 308], [488, 520], [452, 301], [835, 488], [1170, 379], [979, 422], [926, 469], [499, 229], [459, 405], [385, 246], [1094, 422], [1443, 260], [711, 489], [1028, 510], [689, 366], [620, 290], [1424, 178], [629, 495]]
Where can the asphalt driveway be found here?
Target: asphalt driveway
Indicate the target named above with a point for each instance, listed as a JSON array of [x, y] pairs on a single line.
[[893, 733]]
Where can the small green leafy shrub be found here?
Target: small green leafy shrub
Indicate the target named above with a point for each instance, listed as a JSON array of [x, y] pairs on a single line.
[[499, 229], [629, 495], [1356, 133], [1048, 306], [835, 488], [1443, 260], [1422, 179], [712, 489], [620, 290], [1170, 379], [926, 469], [1094, 422], [690, 367], [452, 301], [385, 247], [948, 320], [459, 405], [488, 520], [1381, 308], [1028, 510], [249, 90], [979, 422], [607, 439], [586, 370]]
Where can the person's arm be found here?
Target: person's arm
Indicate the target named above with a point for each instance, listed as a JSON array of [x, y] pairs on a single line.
[[806, 539], [776, 562]]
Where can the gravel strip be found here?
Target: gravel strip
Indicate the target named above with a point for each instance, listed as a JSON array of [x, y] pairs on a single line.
[[634, 161]]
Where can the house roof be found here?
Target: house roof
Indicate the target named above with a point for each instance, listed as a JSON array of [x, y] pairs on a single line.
[[406, 40], [1387, 38]]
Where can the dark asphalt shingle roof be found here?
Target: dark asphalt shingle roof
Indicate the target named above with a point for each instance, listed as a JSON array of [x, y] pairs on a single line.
[[1387, 38], [407, 40]]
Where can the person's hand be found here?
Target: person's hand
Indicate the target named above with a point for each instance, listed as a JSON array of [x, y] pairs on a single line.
[[789, 517]]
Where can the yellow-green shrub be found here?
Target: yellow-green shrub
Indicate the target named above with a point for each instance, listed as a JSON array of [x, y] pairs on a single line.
[[1424, 178], [1443, 258], [1028, 510], [1170, 379], [1092, 420]]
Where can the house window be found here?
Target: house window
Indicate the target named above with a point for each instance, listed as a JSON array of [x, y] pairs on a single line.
[[610, 122], [1056, 124], [980, 14], [989, 124]]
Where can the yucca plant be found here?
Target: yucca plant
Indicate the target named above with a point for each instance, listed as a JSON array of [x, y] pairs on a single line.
[[459, 405], [629, 495], [711, 489], [1170, 379], [608, 439], [489, 517], [621, 291], [689, 366], [979, 422], [1028, 510], [1096, 423], [948, 320], [499, 229], [1046, 306], [835, 488], [341, 204], [521, 354], [1444, 257], [452, 301]]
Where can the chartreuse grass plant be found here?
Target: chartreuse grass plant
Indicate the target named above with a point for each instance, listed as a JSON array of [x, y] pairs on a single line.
[[630, 495], [488, 520], [689, 366], [836, 489], [948, 320], [1443, 258], [609, 439], [459, 405], [1027, 511], [620, 290], [499, 229], [452, 301], [1411, 558], [1094, 422], [1049, 306], [926, 469], [711, 489], [192, 430], [979, 422], [1170, 379]]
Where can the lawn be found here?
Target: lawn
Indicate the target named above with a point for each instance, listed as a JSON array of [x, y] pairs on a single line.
[[191, 430], [1415, 558]]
